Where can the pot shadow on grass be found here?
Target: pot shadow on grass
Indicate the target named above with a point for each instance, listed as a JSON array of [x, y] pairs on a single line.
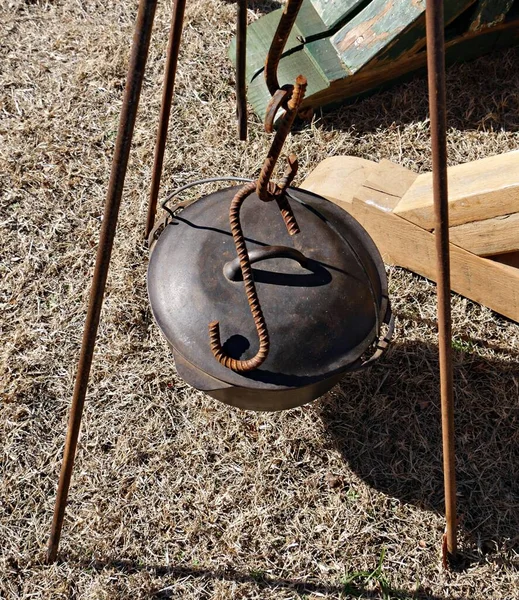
[[387, 426]]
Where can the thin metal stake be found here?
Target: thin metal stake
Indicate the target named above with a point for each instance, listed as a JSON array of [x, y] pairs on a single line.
[[175, 37], [241, 63], [139, 54], [438, 113]]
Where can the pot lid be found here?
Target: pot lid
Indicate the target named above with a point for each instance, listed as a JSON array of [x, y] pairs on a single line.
[[321, 315]]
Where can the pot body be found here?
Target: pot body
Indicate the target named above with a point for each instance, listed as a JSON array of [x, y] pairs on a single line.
[[322, 317]]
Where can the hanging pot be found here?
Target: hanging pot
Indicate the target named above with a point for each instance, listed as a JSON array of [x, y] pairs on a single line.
[[323, 293]]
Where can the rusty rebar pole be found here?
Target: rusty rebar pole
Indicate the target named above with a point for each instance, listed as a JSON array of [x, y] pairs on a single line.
[[286, 22], [241, 63], [438, 114], [175, 37], [139, 54]]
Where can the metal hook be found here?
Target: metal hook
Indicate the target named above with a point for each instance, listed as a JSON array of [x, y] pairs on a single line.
[[250, 290], [266, 191], [280, 95]]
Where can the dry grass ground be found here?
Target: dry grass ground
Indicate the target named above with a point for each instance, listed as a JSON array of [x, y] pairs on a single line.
[[175, 495]]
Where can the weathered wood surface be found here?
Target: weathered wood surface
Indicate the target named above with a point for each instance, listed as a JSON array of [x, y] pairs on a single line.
[[489, 237], [478, 190], [386, 30], [334, 171], [333, 12], [407, 245], [489, 13], [390, 179], [342, 176], [350, 48], [383, 75], [375, 28]]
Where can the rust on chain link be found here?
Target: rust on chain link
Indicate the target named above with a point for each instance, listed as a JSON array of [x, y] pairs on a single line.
[[279, 99], [266, 191], [263, 191]]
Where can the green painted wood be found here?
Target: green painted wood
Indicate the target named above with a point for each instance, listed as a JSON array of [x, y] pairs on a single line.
[[325, 57], [386, 30], [413, 39], [259, 38], [370, 31], [333, 12], [289, 68], [309, 21], [489, 13], [382, 42], [460, 50]]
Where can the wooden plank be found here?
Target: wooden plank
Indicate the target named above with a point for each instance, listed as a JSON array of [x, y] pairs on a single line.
[[330, 81], [478, 190], [370, 31], [413, 39], [386, 30], [489, 13], [308, 22], [391, 179], [489, 237], [326, 59], [259, 38], [379, 76], [333, 11], [339, 175], [300, 63], [407, 245], [343, 175]]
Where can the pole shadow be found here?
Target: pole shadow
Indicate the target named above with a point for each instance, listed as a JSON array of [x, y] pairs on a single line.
[[357, 587]]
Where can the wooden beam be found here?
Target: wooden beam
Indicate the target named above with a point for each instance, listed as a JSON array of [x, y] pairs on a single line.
[[405, 244], [499, 235], [332, 80], [478, 190], [339, 176], [391, 179], [489, 13], [386, 30]]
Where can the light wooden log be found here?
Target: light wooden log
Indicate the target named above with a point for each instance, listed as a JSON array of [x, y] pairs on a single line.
[[489, 237], [340, 176], [391, 179], [407, 245], [478, 190]]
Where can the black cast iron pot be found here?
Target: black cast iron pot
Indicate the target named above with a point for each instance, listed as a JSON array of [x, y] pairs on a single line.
[[323, 294]]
